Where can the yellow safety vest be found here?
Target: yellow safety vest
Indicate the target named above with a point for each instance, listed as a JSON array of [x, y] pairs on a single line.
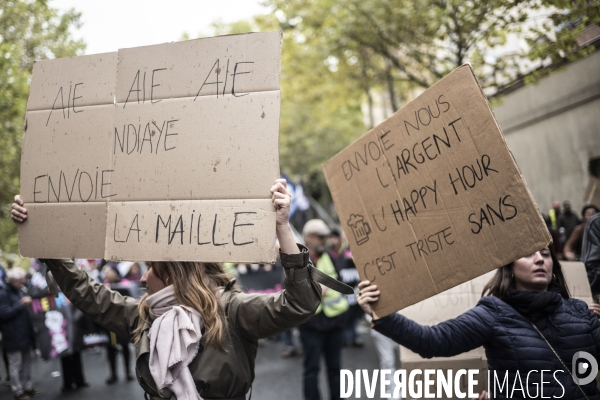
[[333, 303], [553, 219]]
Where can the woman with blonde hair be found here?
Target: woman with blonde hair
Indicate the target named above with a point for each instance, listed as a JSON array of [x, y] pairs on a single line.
[[196, 335]]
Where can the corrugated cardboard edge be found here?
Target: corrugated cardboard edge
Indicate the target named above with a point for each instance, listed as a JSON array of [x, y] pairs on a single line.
[[592, 192]]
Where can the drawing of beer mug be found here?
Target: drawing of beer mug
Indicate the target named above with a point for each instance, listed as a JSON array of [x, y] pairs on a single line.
[[360, 229]]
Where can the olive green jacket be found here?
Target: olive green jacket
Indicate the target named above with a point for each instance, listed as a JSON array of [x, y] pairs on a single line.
[[250, 317]]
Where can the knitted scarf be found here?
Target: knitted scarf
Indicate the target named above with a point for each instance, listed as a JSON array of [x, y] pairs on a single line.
[[174, 342], [528, 302]]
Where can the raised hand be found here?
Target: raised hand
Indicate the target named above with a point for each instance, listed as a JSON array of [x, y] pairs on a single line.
[[281, 201], [367, 294], [18, 213]]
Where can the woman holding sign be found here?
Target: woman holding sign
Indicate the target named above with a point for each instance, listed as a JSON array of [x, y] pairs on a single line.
[[195, 333], [527, 323]]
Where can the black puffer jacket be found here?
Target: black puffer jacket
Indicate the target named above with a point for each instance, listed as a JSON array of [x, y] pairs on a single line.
[[511, 344], [15, 324]]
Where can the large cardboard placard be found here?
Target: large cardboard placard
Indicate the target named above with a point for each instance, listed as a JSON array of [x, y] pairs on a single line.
[[163, 152], [432, 198], [453, 302], [592, 192]]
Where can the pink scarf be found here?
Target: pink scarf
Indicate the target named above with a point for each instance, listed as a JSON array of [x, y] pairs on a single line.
[[174, 341]]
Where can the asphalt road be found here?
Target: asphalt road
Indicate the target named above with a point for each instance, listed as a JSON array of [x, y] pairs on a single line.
[[276, 377]]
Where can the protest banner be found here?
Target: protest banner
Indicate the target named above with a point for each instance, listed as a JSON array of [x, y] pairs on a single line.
[[61, 329], [453, 302], [143, 154], [259, 278], [51, 318], [432, 197]]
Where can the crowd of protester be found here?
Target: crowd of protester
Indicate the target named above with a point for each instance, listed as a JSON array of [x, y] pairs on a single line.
[[323, 336], [21, 339], [567, 228], [194, 330], [333, 327]]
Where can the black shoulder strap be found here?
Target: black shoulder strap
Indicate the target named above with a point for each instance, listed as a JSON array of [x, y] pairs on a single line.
[[326, 280], [295, 263]]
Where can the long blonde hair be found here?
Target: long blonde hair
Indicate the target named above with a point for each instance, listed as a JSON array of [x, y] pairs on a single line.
[[195, 285]]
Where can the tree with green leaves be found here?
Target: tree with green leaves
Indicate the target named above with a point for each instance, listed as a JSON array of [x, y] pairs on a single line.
[[561, 37], [414, 41], [29, 30], [417, 42]]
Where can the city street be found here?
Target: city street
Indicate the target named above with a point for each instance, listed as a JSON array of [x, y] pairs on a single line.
[[436, 163], [276, 377]]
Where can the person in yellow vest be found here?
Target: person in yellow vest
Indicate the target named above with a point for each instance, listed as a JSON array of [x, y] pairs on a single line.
[[554, 213], [323, 333]]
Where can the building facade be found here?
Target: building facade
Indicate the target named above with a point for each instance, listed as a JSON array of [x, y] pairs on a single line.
[[553, 130]]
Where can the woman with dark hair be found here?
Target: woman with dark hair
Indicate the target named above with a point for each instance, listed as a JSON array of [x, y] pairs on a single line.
[[196, 335], [527, 323]]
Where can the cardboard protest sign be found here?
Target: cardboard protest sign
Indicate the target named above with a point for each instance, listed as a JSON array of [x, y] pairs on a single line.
[[453, 302], [592, 192], [162, 152], [432, 198]]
